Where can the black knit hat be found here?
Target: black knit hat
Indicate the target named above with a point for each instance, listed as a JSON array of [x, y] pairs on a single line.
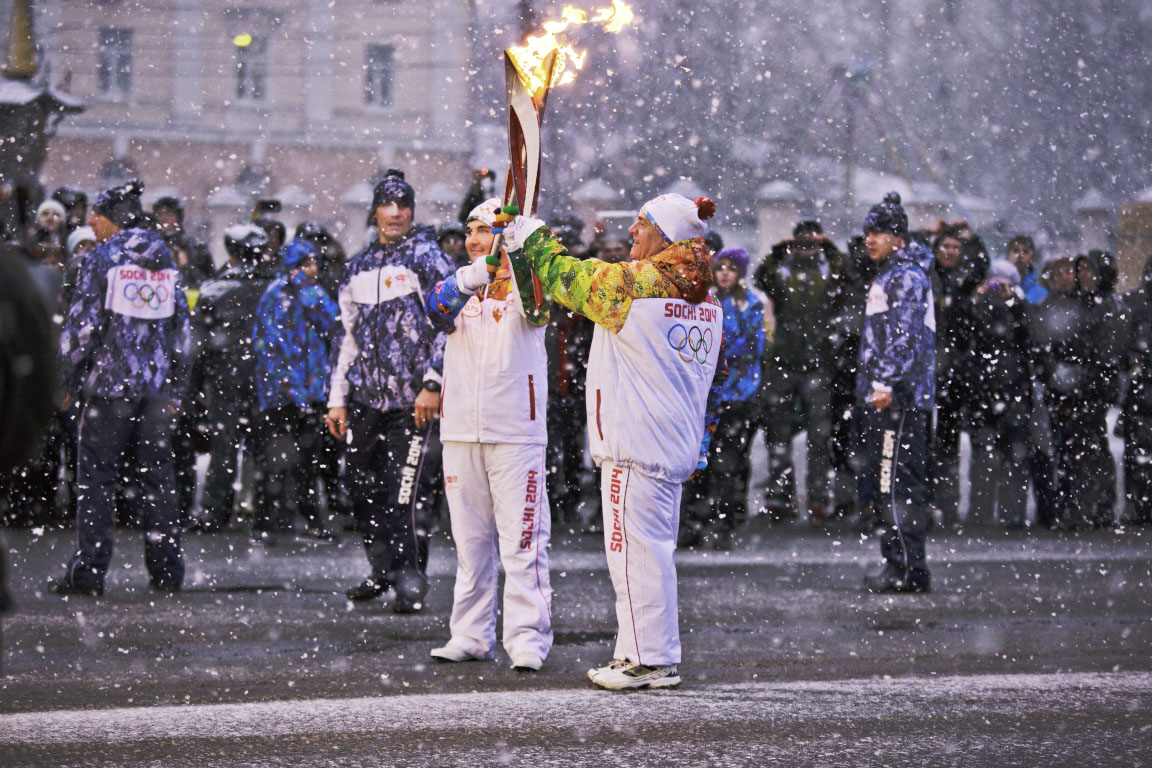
[[121, 205], [393, 189], [888, 216]]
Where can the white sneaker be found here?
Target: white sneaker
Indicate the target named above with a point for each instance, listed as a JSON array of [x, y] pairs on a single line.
[[638, 676], [527, 662], [453, 653], [610, 667]]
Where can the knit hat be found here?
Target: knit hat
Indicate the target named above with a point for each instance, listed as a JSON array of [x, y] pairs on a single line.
[[297, 251], [1005, 271], [809, 227], [486, 211], [169, 203], [738, 257], [80, 235], [51, 205], [121, 205], [393, 189], [450, 228], [888, 217], [246, 242], [678, 218]]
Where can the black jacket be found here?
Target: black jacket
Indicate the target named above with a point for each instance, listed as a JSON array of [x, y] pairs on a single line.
[[1001, 378], [806, 298], [225, 313]]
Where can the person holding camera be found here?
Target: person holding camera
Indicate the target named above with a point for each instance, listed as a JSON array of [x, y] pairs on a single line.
[[803, 278]]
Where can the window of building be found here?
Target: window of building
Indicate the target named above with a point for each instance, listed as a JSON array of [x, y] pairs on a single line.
[[114, 67], [378, 73], [251, 66]]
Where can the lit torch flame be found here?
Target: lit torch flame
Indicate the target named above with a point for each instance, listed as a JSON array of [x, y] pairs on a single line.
[[529, 58]]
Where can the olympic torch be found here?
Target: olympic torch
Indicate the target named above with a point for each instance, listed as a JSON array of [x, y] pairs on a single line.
[[530, 71]]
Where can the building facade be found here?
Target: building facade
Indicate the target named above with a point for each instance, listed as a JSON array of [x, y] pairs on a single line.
[[220, 101]]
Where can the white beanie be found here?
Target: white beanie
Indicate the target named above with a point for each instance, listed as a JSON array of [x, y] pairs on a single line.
[[678, 218], [51, 204], [486, 211], [1001, 269], [80, 235]]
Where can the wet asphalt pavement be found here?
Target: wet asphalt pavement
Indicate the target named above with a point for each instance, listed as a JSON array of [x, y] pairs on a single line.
[[1032, 650]]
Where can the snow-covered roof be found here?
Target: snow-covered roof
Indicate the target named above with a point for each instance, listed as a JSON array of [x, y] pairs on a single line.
[[358, 194], [152, 194], [1093, 200], [929, 193], [1143, 197], [687, 188], [977, 203], [779, 189], [228, 196], [20, 93], [439, 192], [293, 195], [595, 190]]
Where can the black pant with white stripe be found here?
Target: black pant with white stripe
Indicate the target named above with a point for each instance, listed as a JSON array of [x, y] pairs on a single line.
[[895, 445], [393, 477]]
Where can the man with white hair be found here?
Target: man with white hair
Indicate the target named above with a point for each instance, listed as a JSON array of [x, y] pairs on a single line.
[[654, 376]]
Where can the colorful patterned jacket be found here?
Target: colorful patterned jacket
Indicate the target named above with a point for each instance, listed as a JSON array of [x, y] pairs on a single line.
[[127, 333], [389, 347], [643, 393], [898, 350], [290, 339]]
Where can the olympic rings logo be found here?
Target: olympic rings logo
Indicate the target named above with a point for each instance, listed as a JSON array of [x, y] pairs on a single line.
[[144, 295], [691, 343]]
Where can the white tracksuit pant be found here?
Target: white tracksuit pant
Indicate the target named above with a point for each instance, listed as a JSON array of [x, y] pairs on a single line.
[[496, 497], [641, 519]]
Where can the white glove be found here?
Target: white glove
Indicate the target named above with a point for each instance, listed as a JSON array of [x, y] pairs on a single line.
[[474, 276], [518, 231]]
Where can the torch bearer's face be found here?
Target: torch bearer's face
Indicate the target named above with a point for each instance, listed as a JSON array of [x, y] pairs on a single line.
[[646, 239], [479, 240]]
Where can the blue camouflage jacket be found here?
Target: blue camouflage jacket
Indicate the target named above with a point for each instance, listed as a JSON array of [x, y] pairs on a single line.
[[127, 333], [389, 346], [291, 339], [898, 349], [743, 345]]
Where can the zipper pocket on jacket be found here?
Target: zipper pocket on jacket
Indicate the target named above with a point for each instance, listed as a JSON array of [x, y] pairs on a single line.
[[599, 427], [531, 398]]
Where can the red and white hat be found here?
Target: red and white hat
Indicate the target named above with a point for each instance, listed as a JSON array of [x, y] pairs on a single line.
[[678, 218]]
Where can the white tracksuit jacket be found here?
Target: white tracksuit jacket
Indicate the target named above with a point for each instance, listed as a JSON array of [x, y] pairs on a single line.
[[494, 430], [655, 365]]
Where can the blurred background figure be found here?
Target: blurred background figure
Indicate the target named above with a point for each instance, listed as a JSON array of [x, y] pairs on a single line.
[[291, 344], [75, 202], [1137, 414], [192, 256], [223, 332], [802, 278], [958, 267], [1000, 401], [716, 499], [450, 237]]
